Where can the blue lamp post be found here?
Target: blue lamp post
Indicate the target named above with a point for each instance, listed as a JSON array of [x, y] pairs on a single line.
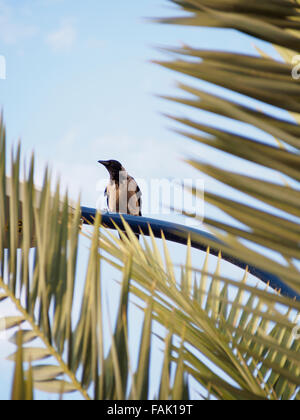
[[177, 233]]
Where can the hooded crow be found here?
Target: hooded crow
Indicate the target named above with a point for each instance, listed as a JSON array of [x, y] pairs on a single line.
[[123, 193]]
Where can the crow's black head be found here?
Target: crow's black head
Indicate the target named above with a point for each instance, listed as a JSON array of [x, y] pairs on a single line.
[[113, 166]]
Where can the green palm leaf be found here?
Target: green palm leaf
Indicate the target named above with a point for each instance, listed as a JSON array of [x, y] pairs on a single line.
[[65, 354], [236, 341], [236, 335], [270, 82], [233, 346]]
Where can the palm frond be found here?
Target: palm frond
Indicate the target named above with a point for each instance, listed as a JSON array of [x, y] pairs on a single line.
[[236, 341], [67, 353], [22, 388], [270, 82], [242, 331]]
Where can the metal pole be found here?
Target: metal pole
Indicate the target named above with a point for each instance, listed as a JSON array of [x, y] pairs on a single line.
[[178, 233]]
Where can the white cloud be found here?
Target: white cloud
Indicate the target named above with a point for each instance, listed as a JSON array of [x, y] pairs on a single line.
[[64, 37], [13, 31]]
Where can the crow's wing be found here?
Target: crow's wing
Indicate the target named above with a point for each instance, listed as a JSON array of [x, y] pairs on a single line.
[[134, 198], [139, 195], [107, 196]]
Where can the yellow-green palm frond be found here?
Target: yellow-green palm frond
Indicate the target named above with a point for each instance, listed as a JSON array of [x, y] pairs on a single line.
[[227, 338], [273, 223], [235, 340], [62, 335]]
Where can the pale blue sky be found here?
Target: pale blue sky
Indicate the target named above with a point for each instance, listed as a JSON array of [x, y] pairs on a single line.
[[80, 87]]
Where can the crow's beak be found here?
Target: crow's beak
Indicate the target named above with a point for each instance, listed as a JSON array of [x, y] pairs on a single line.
[[103, 162]]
